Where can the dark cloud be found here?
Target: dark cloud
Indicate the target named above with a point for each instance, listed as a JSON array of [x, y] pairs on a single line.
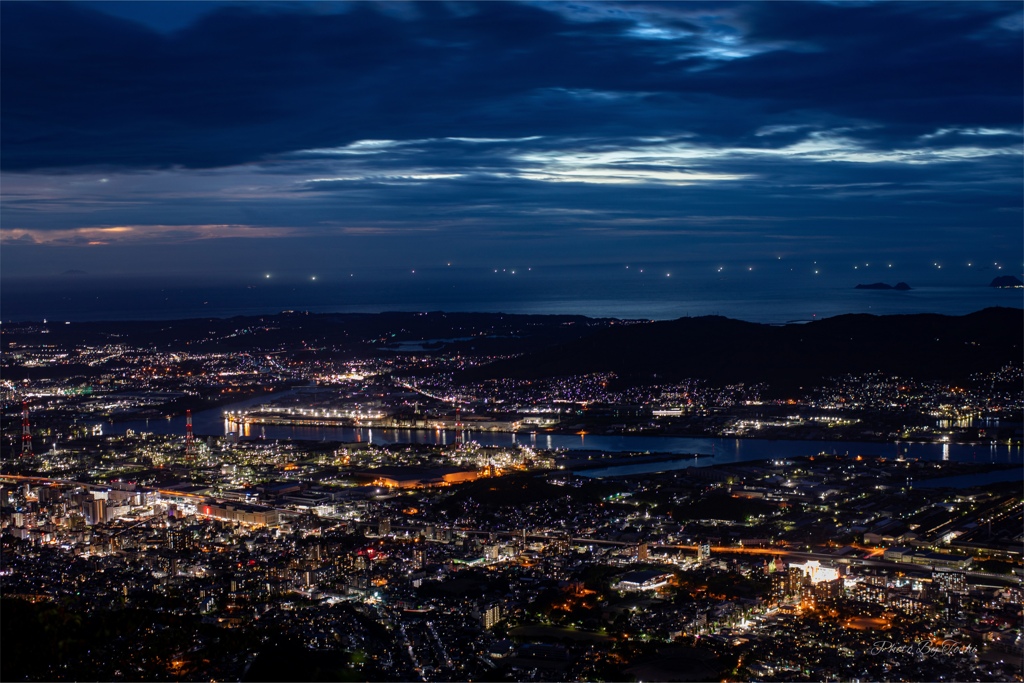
[[907, 63], [583, 131], [243, 82]]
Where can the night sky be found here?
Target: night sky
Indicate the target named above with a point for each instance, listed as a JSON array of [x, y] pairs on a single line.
[[242, 140]]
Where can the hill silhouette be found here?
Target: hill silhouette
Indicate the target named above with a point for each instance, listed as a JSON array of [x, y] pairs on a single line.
[[724, 351]]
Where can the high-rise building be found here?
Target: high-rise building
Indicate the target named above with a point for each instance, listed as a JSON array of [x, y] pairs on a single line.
[[562, 543], [779, 586], [944, 582], [826, 593], [795, 580], [492, 616], [96, 511], [703, 552], [949, 590]]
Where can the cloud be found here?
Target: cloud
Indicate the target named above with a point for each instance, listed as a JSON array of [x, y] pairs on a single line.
[[147, 234], [241, 83], [459, 184], [476, 128]]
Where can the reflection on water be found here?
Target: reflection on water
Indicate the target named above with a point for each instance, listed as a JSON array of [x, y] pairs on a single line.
[[646, 468], [723, 451]]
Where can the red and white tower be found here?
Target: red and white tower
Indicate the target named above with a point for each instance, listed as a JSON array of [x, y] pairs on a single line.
[[190, 444], [26, 432], [458, 425]]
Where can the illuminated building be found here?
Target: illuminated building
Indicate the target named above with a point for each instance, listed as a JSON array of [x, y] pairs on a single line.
[[779, 585], [643, 580], [703, 552], [815, 572], [492, 616], [949, 581], [928, 559], [642, 554], [96, 511], [255, 515]]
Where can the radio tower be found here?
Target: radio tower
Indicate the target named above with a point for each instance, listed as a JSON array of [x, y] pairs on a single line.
[[458, 426], [26, 433], [190, 444]]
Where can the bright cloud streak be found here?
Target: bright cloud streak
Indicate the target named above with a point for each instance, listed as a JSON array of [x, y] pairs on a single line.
[[136, 234], [382, 133]]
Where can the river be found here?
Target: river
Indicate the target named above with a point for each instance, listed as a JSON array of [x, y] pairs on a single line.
[[723, 451]]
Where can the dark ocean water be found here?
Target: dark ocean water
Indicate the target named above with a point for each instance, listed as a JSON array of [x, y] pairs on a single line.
[[768, 293]]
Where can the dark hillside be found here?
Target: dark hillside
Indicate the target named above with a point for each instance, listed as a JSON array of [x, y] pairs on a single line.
[[723, 351]]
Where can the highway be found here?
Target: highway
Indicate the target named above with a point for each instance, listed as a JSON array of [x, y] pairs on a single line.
[[17, 478]]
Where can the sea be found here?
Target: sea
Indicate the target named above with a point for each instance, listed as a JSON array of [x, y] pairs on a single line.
[[771, 292], [768, 292]]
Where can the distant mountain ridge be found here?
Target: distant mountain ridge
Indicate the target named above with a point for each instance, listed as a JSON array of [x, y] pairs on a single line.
[[721, 350], [718, 349]]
